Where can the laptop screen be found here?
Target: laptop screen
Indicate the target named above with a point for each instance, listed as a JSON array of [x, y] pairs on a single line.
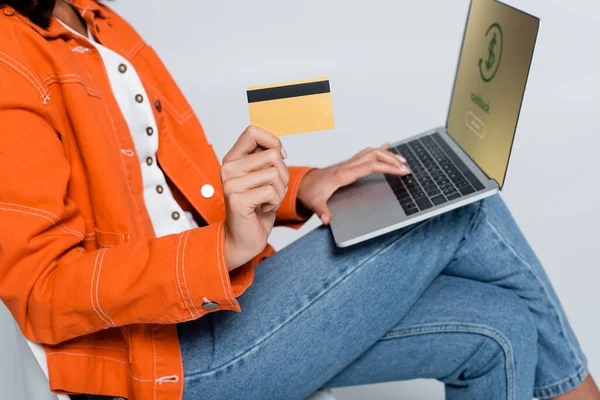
[[490, 83]]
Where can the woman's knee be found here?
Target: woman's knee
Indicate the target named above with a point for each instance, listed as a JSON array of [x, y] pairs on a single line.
[[516, 327], [499, 317], [478, 307], [507, 321]]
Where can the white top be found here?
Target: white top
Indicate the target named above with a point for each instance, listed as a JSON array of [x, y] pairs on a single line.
[[165, 213]]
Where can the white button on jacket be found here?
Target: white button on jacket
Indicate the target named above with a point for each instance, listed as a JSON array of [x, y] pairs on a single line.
[[207, 191]]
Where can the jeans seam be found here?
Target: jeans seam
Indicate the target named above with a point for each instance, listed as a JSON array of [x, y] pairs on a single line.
[[528, 266], [555, 389], [483, 330], [302, 309], [551, 385], [474, 219]]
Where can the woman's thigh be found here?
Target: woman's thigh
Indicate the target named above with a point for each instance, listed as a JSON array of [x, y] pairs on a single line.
[[314, 308]]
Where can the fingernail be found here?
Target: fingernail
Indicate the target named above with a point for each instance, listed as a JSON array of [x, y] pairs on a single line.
[[401, 158], [283, 153], [405, 169]]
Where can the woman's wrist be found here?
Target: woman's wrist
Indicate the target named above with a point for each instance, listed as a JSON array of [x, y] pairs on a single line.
[[302, 199]]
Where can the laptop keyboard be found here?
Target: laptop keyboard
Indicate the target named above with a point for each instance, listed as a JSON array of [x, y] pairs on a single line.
[[438, 175]]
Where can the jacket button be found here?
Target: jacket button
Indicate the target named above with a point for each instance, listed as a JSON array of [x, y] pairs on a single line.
[[210, 306], [207, 191], [122, 68], [149, 160], [158, 105], [175, 215], [139, 98], [160, 189], [149, 131]]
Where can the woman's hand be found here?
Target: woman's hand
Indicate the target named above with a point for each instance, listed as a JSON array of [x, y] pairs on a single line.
[[320, 184], [255, 180]]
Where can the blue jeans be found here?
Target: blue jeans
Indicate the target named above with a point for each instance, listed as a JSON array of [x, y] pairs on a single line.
[[460, 298]]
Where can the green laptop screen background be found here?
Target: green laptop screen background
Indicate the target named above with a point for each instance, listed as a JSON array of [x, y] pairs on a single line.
[[490, 83]]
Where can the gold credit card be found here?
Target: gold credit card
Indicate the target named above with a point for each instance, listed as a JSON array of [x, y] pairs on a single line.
[[294, 107]]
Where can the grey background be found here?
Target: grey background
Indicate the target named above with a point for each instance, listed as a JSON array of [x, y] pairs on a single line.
[[391, 66]]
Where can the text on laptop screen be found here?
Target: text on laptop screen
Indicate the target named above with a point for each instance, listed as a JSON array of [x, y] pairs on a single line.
[[490, 83]]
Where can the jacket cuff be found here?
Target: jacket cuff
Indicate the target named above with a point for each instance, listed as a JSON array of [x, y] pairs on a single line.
[[288, 214], [206, 285]]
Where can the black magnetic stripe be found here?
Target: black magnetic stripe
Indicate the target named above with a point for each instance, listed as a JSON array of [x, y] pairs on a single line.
[[285, 92]]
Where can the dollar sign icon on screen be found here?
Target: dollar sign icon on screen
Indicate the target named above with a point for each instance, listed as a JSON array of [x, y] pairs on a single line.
[[489, 67]]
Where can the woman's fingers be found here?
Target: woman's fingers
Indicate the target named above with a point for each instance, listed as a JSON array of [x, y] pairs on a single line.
[[350, 174], [254, 162], [323, 212], [254, 138], [381, 155], [264, 177], [247, 202]]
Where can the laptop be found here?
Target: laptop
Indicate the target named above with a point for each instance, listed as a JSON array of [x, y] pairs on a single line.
[[466, 160]]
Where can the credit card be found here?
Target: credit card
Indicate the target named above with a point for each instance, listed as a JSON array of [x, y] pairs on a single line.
[[293, 107]]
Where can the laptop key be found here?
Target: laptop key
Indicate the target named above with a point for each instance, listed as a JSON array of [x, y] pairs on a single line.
[[467, 190], [411, 211], [423, 203], [405, 202], [448, 190], [417, 193], [454, 196], [396, 186], [437, 200], [403, 198]]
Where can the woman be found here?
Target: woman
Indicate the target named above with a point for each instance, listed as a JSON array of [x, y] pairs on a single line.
[[123, 243]]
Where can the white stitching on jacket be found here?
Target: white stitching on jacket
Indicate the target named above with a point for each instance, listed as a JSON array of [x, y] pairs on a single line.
[[187, 234], [177, 276], [97, 282], [101, 357], [219, 253], [128, 152], [81, 49], [62, 228], [71, 78], [27, 74], [92, 287], [55, 221], [168, 379], [154, 365]]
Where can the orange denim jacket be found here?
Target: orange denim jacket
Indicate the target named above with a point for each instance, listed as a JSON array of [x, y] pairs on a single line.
[[81, 269]]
